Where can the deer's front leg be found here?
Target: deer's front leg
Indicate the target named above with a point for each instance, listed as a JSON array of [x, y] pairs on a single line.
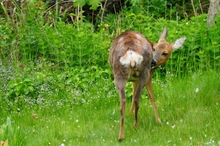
[[151, 94], [133, 94]]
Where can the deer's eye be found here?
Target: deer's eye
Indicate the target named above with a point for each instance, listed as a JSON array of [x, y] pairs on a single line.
[[164, 53], [153, 49]]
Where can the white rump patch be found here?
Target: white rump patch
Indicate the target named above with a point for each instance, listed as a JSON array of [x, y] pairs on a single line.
[[131, 58]]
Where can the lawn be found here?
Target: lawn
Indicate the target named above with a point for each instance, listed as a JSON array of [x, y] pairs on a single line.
[[67, 111]]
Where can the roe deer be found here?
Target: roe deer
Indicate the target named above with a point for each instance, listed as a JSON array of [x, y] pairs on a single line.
[[130, 59], [162, 52]]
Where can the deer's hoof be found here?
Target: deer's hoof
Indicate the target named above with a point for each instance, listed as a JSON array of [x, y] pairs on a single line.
[[120, 138], [159, 121]]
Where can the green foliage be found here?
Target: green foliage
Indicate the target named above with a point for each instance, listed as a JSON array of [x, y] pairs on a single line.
[[79, 44], [169, 9], [93, 3], [19, 87], [37, 84], [62, 45], [6, 130]]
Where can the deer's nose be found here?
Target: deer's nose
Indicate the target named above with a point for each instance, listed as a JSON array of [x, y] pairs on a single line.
[[153, 63]]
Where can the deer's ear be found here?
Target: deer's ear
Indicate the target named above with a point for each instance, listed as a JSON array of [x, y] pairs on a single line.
[[178, 43], [164, 34]]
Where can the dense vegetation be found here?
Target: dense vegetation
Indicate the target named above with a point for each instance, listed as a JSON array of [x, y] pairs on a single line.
[[27, 36], [56, 86]]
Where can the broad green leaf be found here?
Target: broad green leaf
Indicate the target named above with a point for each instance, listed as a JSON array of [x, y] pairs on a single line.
[[94, 4], [79, 2]]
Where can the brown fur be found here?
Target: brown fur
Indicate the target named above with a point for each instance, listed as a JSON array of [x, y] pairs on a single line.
[[130, 40]]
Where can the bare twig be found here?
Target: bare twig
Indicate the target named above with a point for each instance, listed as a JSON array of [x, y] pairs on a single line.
[[194, 10], [200, 5], [103, 10]]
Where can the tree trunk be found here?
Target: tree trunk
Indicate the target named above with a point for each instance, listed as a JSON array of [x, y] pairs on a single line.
[[214, 8]]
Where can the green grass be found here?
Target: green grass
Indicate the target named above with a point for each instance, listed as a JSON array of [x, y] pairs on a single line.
[[188, 107]]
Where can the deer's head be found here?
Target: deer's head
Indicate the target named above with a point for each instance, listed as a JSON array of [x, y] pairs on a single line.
[[163, 49]]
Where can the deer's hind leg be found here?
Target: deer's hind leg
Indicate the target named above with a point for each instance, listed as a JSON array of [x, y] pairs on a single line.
[[120, 84], [140, 86]]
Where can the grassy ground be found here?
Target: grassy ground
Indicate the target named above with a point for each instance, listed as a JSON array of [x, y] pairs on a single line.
[[188, 107]]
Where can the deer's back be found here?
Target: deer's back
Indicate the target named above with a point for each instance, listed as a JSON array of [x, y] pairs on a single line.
[[130, 53]]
